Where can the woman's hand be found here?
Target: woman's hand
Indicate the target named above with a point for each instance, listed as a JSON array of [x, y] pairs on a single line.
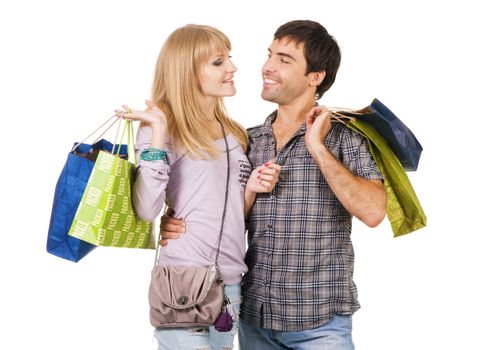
[[151, 116], [263, 178]]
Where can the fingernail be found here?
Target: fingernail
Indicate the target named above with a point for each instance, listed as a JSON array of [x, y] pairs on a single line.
[[266, 164], [259, 176], [259, 171]]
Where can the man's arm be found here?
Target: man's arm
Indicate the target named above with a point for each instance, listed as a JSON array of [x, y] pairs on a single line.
[[364, 199]]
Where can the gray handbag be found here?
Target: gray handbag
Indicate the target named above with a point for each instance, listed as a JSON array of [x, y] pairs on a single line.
[[185, 296]]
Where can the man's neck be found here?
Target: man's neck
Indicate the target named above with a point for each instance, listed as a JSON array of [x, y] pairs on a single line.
[[294, 113]]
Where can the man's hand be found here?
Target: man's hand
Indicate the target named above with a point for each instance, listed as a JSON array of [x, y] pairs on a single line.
[[170, 227], [318, 122]]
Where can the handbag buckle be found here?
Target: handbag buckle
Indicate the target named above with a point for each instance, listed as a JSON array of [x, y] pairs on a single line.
[[182, 300]]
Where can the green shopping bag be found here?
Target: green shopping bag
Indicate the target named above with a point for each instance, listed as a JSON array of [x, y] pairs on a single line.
[[105, 216], [403, 208]]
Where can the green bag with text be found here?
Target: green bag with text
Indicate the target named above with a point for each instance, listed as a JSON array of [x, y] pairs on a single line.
[[105, 216]]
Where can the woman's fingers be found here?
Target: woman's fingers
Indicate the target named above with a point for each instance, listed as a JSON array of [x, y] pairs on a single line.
[[268, 177], [264, 177]]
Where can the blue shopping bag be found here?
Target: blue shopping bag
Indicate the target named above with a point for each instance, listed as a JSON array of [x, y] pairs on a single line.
[[68, 193], [399, 137]]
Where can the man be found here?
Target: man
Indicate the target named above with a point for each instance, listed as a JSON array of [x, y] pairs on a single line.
[[299, 291]]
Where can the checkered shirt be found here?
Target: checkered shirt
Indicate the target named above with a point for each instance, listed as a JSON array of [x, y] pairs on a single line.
[[300, 256]]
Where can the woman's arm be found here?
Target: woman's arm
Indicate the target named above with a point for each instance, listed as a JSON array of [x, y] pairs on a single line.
[[148, 193]]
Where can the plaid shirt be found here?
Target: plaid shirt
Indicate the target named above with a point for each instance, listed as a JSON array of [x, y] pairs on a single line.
[[300, 255]]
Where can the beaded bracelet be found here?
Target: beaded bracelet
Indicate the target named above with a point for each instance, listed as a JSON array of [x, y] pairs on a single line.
[[151, 153]]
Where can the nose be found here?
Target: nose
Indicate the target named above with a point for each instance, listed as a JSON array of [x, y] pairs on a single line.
[[231, 67], [268, 67]]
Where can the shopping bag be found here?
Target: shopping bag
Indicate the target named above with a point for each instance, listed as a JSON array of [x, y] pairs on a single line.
[[68, 193], [105, 216], [403, 207], [399, 137]]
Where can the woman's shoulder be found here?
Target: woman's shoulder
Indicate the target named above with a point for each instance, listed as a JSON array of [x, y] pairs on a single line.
[[144, 136]]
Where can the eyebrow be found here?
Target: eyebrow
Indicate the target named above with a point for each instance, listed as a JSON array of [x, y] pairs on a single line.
[[283, 55]]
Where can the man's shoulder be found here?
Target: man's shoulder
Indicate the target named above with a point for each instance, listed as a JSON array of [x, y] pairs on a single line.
[[341, 130], [255, 131], [263, 128]]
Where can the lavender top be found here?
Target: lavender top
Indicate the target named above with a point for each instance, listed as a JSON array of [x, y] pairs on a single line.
[[195, 189]]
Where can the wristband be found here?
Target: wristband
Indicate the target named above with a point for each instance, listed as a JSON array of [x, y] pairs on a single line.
[[150, 154]]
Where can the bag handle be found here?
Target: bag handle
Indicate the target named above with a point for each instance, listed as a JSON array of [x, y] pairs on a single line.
[[98, 128], [128, 127], [337, 116]]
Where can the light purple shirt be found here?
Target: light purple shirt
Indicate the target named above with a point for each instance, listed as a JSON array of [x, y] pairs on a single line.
[[195, 189]]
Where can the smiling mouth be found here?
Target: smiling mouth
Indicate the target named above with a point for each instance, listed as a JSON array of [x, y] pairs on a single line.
[[228, 81], [269, 81]]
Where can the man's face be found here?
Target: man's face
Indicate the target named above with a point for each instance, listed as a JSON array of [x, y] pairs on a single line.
[[283, 73]]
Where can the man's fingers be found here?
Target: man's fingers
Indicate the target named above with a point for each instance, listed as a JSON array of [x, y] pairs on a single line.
[[170, 227], [169, 235], [172, 224], [166, 220]]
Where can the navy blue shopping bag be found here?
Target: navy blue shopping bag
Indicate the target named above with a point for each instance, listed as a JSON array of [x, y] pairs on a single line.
[[68, 193], [400, 138]]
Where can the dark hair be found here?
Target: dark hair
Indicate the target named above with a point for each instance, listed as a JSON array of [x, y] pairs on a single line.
[[320, 49]]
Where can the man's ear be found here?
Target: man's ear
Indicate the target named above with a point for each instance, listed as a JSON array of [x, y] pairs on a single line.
[[316, 78]]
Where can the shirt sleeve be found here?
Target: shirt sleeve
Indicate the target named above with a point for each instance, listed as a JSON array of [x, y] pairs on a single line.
[[148, 193], [356, 156]]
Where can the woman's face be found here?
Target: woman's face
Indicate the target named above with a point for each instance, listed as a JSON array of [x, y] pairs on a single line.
[[216, 76]]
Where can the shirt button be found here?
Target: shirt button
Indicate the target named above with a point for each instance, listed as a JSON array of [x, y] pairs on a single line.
[[270, 226], [273, 197]]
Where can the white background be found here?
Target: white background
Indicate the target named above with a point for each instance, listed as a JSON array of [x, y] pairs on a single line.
[[65, 65]]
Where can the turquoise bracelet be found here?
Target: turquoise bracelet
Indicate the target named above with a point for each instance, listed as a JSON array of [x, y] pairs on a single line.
[[150, 154]]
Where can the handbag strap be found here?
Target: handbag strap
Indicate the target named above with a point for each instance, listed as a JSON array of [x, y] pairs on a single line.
[[226, 194]]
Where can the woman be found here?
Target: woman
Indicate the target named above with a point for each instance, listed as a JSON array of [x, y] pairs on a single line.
[[182, 162]]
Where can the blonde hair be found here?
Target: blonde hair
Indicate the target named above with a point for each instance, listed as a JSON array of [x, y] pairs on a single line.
[[176, 89]]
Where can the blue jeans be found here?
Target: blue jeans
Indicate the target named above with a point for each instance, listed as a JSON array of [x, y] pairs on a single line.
[[196, 338], [333, 335]]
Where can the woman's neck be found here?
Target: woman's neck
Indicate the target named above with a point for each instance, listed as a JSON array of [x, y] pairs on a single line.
[[207, 105]]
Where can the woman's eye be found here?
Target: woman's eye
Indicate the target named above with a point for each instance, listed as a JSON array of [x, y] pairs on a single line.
[[217, 63]]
